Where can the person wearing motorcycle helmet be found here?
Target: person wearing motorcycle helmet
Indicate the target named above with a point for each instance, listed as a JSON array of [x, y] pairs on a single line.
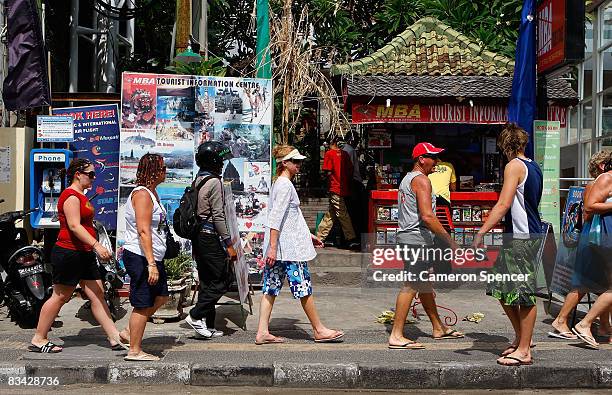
[[212, 247]]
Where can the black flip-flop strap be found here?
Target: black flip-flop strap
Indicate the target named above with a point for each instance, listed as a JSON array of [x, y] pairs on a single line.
[[47, 347]]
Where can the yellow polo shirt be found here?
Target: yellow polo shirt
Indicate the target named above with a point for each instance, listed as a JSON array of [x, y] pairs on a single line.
[[443, 175]]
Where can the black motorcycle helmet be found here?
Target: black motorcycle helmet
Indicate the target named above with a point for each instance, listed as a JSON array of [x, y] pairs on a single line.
[[210, 156]]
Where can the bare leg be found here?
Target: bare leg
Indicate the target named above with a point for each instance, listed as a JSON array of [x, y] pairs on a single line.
[[402, 305], [603, 303], [320, 330], [513, 315], [95, 292], [265, 311], [604, 324], [61, 295], [527, 317], [571, 301], [138, 322]]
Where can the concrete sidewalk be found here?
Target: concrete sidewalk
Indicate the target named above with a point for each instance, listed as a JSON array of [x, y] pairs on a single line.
[[361, 361]]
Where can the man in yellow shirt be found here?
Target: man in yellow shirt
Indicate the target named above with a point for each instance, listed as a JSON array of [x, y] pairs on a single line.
[[443, 181]]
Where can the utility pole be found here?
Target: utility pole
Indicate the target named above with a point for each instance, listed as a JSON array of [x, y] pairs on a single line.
[[203, 28]]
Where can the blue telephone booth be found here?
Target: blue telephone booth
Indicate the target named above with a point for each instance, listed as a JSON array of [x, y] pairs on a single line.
[[46, 184]]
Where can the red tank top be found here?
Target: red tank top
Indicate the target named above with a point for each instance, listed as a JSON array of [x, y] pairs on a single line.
[[67, 239]]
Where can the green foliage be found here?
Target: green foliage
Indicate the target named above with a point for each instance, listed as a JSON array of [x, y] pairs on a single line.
[[205, 67], [178, 267]]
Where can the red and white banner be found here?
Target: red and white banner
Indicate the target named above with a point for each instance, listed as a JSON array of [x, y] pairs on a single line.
[[430, 113], [442, 113]]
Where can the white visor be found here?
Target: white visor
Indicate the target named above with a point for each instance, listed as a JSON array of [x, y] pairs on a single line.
[[295, 154]]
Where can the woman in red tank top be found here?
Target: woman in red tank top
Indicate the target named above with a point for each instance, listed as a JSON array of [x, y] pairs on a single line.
[[74, 260]]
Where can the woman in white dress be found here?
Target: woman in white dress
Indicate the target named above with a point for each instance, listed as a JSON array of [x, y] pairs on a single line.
[[289, 246]]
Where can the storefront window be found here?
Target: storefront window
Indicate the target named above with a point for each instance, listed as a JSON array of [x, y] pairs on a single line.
[[586, 154], [587, 84], [606, 115], [587, 121], [606, 25], [571, 133], [605, 144], [606, 67]]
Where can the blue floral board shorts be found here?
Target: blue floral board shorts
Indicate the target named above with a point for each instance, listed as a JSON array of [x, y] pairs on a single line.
[[297, 275]]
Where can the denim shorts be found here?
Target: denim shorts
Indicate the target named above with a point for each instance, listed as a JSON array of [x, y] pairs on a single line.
[[297, 275], [142, 294]]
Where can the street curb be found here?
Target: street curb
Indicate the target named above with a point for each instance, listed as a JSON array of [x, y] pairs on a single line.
[[409, 375], [259, 375], [68, 372], [149, 373], [413, 375], [316, 375]]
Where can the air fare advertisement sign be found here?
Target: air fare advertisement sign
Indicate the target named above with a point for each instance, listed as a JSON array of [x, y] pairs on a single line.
[[96, 137]]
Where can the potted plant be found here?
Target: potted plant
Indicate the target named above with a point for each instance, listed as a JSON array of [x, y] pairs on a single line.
[[179, 271]]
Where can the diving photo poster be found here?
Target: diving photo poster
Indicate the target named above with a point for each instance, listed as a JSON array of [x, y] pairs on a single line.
[[172, 115]]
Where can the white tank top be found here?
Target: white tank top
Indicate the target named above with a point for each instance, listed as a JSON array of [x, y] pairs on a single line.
[[158, 225]]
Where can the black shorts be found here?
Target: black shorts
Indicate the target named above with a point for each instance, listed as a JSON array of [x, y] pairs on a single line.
[[142, 295], [71, 266]]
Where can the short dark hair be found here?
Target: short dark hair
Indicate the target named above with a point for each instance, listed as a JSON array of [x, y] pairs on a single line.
[[77, 164]]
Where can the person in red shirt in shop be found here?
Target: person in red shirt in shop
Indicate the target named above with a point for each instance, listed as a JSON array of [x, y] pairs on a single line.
[[339, 169]]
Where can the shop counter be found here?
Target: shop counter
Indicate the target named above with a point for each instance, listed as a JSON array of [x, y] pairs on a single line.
[[467, 213]]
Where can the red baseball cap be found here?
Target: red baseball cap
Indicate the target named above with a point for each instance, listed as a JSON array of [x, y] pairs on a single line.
[[425, 148]]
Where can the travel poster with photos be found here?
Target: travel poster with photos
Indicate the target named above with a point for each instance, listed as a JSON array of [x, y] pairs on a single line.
[[172, 115]]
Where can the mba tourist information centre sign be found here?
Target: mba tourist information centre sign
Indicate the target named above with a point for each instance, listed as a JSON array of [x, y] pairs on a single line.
[[442, 113]]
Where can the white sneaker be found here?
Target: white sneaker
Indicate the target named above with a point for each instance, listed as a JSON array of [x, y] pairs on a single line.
[[199, 326], [216, 333]]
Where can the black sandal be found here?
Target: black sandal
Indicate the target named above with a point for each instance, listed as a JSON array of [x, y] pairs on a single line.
[[49, 348]]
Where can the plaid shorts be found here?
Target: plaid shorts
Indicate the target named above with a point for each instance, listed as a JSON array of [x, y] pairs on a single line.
[[298, 278]]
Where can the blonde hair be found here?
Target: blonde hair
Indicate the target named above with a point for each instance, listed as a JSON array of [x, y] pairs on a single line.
[[279, 152], [512, 140], [597, 160]]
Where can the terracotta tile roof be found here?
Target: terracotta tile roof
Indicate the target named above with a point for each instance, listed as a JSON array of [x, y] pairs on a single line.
[[429, 47], [447, 86], [430, 59]]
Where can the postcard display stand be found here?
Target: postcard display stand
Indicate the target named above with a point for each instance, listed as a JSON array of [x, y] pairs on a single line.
[[468, 212], [172, 115]]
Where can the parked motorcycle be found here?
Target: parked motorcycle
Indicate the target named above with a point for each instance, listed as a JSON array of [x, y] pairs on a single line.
[[111, 272], [27, 284]]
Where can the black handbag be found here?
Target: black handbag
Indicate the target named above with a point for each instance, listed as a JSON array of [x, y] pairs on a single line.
[[173, 247]]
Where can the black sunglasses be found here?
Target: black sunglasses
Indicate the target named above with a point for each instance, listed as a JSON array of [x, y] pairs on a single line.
[[430, 156], [296, 161], [90, 174]]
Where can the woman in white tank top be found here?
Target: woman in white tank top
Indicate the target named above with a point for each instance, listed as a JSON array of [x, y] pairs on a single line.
[[144, 249]]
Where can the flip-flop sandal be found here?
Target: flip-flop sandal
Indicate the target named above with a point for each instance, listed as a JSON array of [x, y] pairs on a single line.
[[119, 344], [334, 339], [453, 334], [513, 348], [589, 340], [562, 335], [519, 362], [119, 347], [276, 340], [411, 345], [141, 357], [49, 348]]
